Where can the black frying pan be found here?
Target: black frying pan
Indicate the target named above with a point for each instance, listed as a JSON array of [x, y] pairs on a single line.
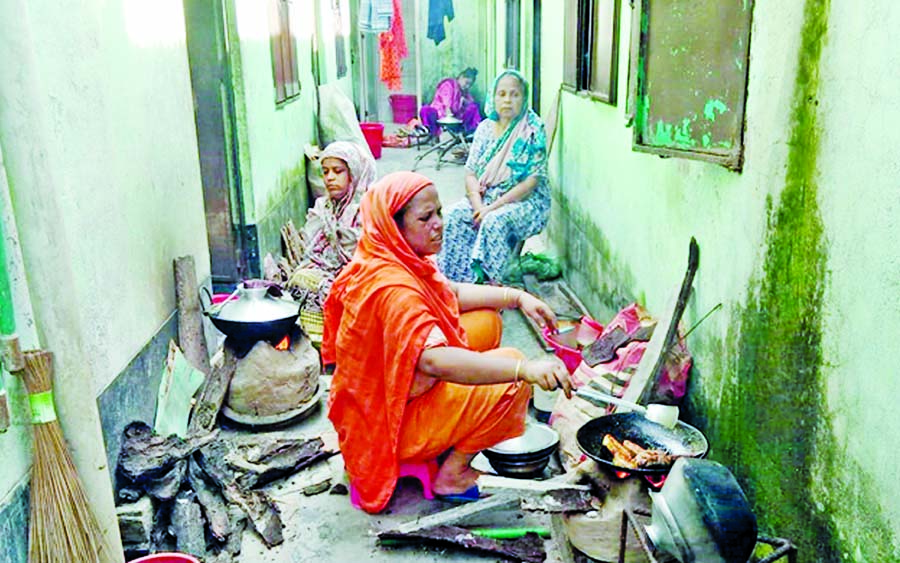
[[682, 440]]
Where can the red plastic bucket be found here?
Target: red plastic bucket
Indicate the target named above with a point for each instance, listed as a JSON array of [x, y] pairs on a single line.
[[374, 133], [403, 106], [166, 558]]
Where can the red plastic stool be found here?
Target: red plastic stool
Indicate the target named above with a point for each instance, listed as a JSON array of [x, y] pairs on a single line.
[[424, 471]]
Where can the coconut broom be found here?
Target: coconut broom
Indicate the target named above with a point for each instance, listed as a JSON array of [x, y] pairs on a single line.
[[62, 526]]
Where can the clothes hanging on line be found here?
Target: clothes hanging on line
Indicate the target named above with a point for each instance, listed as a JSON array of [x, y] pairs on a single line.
[[437, 10], [375, 16], [393, 49]]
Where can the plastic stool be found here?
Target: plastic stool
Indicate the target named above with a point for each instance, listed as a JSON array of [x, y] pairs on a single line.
[[424, 471]]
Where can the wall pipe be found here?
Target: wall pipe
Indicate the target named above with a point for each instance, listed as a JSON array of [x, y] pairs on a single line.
[[10, 355]]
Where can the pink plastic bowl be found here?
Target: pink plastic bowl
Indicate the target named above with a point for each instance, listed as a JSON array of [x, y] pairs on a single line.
[[166, 558], [569, 355]]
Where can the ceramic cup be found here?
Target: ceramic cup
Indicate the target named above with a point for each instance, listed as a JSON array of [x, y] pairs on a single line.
[[667, 415]]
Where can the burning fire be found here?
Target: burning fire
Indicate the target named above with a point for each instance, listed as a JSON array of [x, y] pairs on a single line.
[[284, 344]]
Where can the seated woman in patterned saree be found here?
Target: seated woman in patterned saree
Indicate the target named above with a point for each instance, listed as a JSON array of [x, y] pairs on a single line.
[[507, 195]]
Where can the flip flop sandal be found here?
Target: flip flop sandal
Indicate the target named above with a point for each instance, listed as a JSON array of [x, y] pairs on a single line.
[[472, 494]]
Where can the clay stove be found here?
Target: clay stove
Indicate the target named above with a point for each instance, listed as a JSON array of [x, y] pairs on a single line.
[[273, 384]]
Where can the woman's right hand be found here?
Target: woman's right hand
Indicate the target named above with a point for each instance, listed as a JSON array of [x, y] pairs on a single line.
[[549, 374]]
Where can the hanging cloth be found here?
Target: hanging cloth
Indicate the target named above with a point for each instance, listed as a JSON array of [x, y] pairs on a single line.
[[375, 15], [437, 10], [393, 49]]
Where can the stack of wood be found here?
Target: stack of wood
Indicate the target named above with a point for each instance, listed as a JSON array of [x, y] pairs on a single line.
[[280, 270], [197, 495]]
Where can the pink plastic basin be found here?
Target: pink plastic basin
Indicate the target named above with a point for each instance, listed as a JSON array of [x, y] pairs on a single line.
[[166, 558], [565, 346]]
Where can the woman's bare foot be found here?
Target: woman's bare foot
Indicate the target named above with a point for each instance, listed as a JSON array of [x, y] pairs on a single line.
[[455, 476]]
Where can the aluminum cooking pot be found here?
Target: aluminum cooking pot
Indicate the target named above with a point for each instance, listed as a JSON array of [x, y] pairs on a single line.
[[681, 441], [251, 314]]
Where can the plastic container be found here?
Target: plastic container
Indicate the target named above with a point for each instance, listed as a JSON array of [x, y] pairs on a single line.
[[403, 106], [374, 134], [166, 558], [566, 346]]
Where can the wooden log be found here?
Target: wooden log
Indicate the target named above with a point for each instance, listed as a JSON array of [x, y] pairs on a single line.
[[135, 524], [165, 487], [191, 338], [275, 458], [264, 516], [558, 501], [145, 456], [211, 501], [212, 394], [261, 511], [187, 524], [529, 549]]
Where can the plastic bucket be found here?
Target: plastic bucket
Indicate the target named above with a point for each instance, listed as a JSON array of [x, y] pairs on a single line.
[[374, 133], [166, 558], [403, 106]]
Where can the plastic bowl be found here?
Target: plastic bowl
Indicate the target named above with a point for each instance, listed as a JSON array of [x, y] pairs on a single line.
[[565, 346]]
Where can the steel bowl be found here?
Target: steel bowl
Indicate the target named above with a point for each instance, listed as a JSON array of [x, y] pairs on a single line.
[[526, 455]]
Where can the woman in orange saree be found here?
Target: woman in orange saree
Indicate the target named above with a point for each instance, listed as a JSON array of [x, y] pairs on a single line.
[[407, 384]]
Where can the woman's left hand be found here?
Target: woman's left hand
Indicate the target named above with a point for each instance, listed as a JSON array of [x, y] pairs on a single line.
[[537, 310], [482, 212]]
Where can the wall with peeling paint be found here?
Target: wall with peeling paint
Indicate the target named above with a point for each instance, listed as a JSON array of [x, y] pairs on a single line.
[[795, 376], [272, 136], [99, 146]]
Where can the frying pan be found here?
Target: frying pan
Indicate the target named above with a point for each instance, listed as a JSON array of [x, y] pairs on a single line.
[[683, 440]]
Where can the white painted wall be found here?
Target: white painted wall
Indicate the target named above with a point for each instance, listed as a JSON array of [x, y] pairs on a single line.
[[97, 133]]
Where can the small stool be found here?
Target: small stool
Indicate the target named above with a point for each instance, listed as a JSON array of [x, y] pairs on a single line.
[[424, 471]]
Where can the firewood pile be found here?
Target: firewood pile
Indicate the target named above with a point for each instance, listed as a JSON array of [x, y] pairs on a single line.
[[197, 495]]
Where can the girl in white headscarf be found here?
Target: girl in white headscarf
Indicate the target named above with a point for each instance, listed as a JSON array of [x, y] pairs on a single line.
[[333, 224]]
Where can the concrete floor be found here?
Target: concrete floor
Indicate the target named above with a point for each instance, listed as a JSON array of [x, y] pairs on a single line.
[[326, 528]]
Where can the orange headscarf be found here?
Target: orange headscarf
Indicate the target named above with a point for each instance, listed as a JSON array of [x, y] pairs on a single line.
[[377, 317]]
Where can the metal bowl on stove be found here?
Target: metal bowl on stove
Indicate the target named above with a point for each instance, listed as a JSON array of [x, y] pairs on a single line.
[[524, 456]]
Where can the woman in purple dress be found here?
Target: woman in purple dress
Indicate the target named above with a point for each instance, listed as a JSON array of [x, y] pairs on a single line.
[[453, 97]]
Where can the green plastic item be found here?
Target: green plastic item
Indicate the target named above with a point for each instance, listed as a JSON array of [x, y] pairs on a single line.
[[543, 267], [509, 533]]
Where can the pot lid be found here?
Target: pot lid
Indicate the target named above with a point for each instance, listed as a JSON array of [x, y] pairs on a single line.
[[255, 305]]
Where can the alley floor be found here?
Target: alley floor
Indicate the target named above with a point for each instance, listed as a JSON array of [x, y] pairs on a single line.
[[324, 527]]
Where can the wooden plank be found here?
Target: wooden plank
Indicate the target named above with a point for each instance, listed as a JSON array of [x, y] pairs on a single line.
[[487, 483], [496, 502], [563, 549], [654, 357]]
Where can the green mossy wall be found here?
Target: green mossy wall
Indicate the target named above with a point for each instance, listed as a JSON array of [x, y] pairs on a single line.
[[766, 386]]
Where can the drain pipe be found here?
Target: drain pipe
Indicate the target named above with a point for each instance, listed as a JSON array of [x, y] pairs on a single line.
[[10, 355]]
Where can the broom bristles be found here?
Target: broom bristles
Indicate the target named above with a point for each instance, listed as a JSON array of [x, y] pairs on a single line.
[[62, 525]]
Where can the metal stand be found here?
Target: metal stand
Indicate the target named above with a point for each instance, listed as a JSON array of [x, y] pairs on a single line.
[[783, 547], [457, 139]]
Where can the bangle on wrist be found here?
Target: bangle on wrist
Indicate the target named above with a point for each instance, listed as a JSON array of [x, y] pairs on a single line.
[[518, 367], [505, 297]]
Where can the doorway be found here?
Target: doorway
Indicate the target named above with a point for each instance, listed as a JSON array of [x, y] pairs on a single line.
[[208, 54]]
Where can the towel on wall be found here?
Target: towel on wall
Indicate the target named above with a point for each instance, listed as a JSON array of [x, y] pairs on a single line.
[[393, 49], [437, 9], [375, 15]]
